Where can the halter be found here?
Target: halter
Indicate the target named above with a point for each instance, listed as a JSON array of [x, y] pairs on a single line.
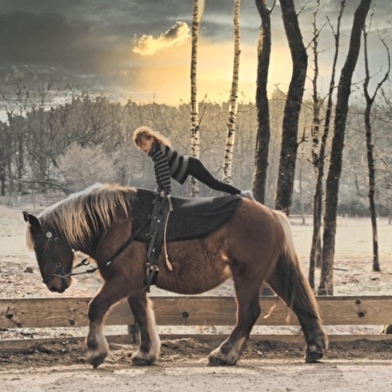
[[60, 272]]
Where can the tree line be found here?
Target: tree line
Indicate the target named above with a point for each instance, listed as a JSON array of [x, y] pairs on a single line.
[[89, 139]]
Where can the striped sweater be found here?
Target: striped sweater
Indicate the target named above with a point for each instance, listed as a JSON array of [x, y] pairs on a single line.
[[168, 163]]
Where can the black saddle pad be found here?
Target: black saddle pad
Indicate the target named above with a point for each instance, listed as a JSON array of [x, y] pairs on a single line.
[[191, 217]]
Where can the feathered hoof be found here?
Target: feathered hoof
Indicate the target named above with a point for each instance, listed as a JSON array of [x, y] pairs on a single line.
[[219, 361], [96, 360], [216, 362], [142, 362], [138, 359], [313, 356]]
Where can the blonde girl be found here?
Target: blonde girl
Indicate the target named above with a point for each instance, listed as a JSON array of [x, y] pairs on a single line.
[[168, 163]]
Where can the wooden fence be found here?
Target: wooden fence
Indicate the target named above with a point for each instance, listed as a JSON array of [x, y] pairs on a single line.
[[182, 311]]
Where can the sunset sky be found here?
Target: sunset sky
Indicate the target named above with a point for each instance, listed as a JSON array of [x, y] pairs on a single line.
[[140, 50]]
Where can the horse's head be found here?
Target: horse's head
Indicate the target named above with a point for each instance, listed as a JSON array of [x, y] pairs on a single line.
[[54, 255]]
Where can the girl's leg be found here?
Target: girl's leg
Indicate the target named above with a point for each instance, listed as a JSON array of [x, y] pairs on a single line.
[[198, 170]]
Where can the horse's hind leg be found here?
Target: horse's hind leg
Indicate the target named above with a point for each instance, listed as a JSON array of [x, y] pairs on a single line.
[[149, 347], [248, 311], [297, 293]]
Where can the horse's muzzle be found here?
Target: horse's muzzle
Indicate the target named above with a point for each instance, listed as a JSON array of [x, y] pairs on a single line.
[[58, 285]]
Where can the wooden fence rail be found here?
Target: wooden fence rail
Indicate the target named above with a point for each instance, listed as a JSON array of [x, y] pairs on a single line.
[[188, 311]]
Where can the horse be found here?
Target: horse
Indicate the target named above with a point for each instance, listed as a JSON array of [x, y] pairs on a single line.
[[254, 246]]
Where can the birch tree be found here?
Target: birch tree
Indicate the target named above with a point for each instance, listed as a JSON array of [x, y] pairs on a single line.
[[231, 122], [198, 9]]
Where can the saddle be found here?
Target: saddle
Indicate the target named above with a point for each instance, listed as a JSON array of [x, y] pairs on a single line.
[[190, 218]]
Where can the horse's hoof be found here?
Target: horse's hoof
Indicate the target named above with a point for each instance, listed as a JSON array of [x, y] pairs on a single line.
[[313, 357], [96, 360], [143, 359], [216, 361], [141, 362]]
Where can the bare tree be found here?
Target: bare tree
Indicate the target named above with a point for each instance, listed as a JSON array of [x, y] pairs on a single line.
[[16, 98], [6, 151], [369, 142], [263, 116], [288, 153], [81, 167], [319, 149], [335, 168], [231, 122], [315, 252]]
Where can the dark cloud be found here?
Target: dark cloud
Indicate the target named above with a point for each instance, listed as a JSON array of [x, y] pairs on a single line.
[[93, 38], [76, 37], [38, 39]]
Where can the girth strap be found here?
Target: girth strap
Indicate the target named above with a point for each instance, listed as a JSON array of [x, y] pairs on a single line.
[[156, 234], [128, 242]]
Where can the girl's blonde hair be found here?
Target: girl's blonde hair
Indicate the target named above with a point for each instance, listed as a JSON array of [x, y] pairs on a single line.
[[147, 133]]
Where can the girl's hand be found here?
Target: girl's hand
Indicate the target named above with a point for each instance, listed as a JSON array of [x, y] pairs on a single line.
[[163, 194]]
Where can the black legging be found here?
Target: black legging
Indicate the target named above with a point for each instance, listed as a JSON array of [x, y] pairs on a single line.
[[197, 169]]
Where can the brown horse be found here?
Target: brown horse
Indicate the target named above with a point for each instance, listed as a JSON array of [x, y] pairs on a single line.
[[254, 246]]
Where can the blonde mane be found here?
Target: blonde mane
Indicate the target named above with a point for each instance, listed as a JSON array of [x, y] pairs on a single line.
[[81, 215]]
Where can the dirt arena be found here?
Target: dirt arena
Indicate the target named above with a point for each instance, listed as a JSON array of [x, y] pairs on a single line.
[[265, 366]]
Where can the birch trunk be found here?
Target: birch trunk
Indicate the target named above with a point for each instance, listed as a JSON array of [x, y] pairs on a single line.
[[195, 132], [231, 122]]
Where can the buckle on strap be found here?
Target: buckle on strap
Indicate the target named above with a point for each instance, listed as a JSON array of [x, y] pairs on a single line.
[[151, 273]]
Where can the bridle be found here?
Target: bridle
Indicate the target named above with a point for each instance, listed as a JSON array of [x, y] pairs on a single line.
[[62, 274], [60, 271]]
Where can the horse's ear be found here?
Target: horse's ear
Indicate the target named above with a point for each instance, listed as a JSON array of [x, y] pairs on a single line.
[[31, 219], [25, 216]]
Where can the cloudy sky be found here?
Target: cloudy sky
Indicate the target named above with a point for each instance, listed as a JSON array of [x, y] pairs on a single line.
[[140, 49]]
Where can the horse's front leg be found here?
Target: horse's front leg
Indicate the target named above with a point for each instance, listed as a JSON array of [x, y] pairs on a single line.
[[149, 348], [111, 292]]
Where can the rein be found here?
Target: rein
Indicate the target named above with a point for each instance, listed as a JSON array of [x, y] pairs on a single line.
[[125, 244], [85, 261], [151, 266]]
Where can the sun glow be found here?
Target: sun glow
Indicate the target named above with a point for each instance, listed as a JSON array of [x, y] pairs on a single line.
[[164, 77], [157, 69]]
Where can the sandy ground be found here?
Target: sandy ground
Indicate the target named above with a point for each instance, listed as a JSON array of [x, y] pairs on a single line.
[[274, 376], [267, 366]]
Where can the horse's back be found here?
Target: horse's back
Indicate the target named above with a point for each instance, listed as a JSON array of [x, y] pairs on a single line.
[[255, 220], [253, 239]]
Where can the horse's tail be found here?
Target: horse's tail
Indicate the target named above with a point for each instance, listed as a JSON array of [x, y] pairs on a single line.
[[296, 288]]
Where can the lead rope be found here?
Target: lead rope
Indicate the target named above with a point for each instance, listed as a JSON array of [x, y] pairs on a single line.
[[168, 264]]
